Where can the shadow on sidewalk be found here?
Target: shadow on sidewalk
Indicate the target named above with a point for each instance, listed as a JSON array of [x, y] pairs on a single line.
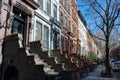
[[96, 74]]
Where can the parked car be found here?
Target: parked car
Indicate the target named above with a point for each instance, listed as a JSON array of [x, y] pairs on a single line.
[[112, 61], [115, 65]]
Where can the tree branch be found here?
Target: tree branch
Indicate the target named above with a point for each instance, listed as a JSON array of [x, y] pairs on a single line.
[[100, 6], [101, 28], [98, 13], [99, 38], [113, 21], [112, 9]]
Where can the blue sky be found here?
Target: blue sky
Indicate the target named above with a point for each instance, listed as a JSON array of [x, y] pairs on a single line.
[[89, 17], [83, 10]]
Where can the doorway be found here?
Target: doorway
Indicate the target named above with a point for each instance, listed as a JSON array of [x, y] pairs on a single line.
[[11, 73], [19, 24], [55, 40]]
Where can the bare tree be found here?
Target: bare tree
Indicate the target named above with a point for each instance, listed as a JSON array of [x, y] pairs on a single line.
[[106, 17]]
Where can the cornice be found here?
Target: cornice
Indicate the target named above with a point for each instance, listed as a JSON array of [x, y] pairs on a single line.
[[31, 3]]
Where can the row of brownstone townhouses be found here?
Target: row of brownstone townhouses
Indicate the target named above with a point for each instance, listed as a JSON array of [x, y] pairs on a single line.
[[41, 39]]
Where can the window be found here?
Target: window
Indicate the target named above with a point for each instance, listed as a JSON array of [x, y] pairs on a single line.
[[19, 22], [48, 7], [73, 30], [64, 2], [38, 31], [46, 38], [83, 50], [74, 47], [55, 11], [69, 26], [66, 44], [62, 43], [77, 33], [17, 26], [65, 21], [68, 8], [61, 1], [61, 18], [40, 2]]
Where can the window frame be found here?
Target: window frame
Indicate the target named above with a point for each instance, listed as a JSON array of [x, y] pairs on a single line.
[[46, 47], [55, 10], [41, 4], [40, 32], [48, 7]]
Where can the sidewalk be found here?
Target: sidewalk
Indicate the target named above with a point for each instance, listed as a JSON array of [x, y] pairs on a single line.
[[95, 75]]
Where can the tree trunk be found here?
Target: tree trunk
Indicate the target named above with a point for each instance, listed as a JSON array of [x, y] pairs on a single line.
[[107, 65]]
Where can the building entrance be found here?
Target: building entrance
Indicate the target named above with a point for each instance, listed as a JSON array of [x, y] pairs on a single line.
[[55, 41], [19, 24], [11, 73]]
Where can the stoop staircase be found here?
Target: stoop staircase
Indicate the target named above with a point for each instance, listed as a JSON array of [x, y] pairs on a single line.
[[42, 57], [17, 64]]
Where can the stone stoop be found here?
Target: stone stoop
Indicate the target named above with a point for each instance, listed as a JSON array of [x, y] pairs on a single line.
[[50, 65], [17, 61], [38, 61]]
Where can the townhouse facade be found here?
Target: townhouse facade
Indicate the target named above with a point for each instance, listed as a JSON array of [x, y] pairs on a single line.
[[82, 34], [46, 25], [96, 49], [75, 28], [92, 46], [13, 15], [88, 44], [69, 33], [65, 21], [15, 30]]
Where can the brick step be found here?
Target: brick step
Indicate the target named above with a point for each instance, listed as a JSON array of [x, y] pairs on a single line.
[[58, 67], [35, 47], [47, 68], [49, 63], [30, 59]]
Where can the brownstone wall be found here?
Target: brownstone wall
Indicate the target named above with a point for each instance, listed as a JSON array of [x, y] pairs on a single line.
[[75, 29], [65, 20], [68, 19]]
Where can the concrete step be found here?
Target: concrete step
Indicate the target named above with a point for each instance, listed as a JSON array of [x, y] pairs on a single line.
[[47, 68]]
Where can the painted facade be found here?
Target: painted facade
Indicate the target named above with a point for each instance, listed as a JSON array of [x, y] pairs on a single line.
[[88, 44], [46, 25], [82, 34]]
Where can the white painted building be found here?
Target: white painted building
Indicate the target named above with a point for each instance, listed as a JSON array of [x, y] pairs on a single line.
[[84, 39], [95, 49], [45, 24], [82, 35]]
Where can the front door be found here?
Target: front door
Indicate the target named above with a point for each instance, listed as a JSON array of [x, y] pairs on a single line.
[[19, 24], [55, 40]]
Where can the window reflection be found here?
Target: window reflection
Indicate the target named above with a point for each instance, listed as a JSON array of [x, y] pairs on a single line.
[[17, 26]]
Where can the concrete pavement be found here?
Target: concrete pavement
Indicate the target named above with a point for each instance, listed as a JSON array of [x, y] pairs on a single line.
[[95, 75]]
